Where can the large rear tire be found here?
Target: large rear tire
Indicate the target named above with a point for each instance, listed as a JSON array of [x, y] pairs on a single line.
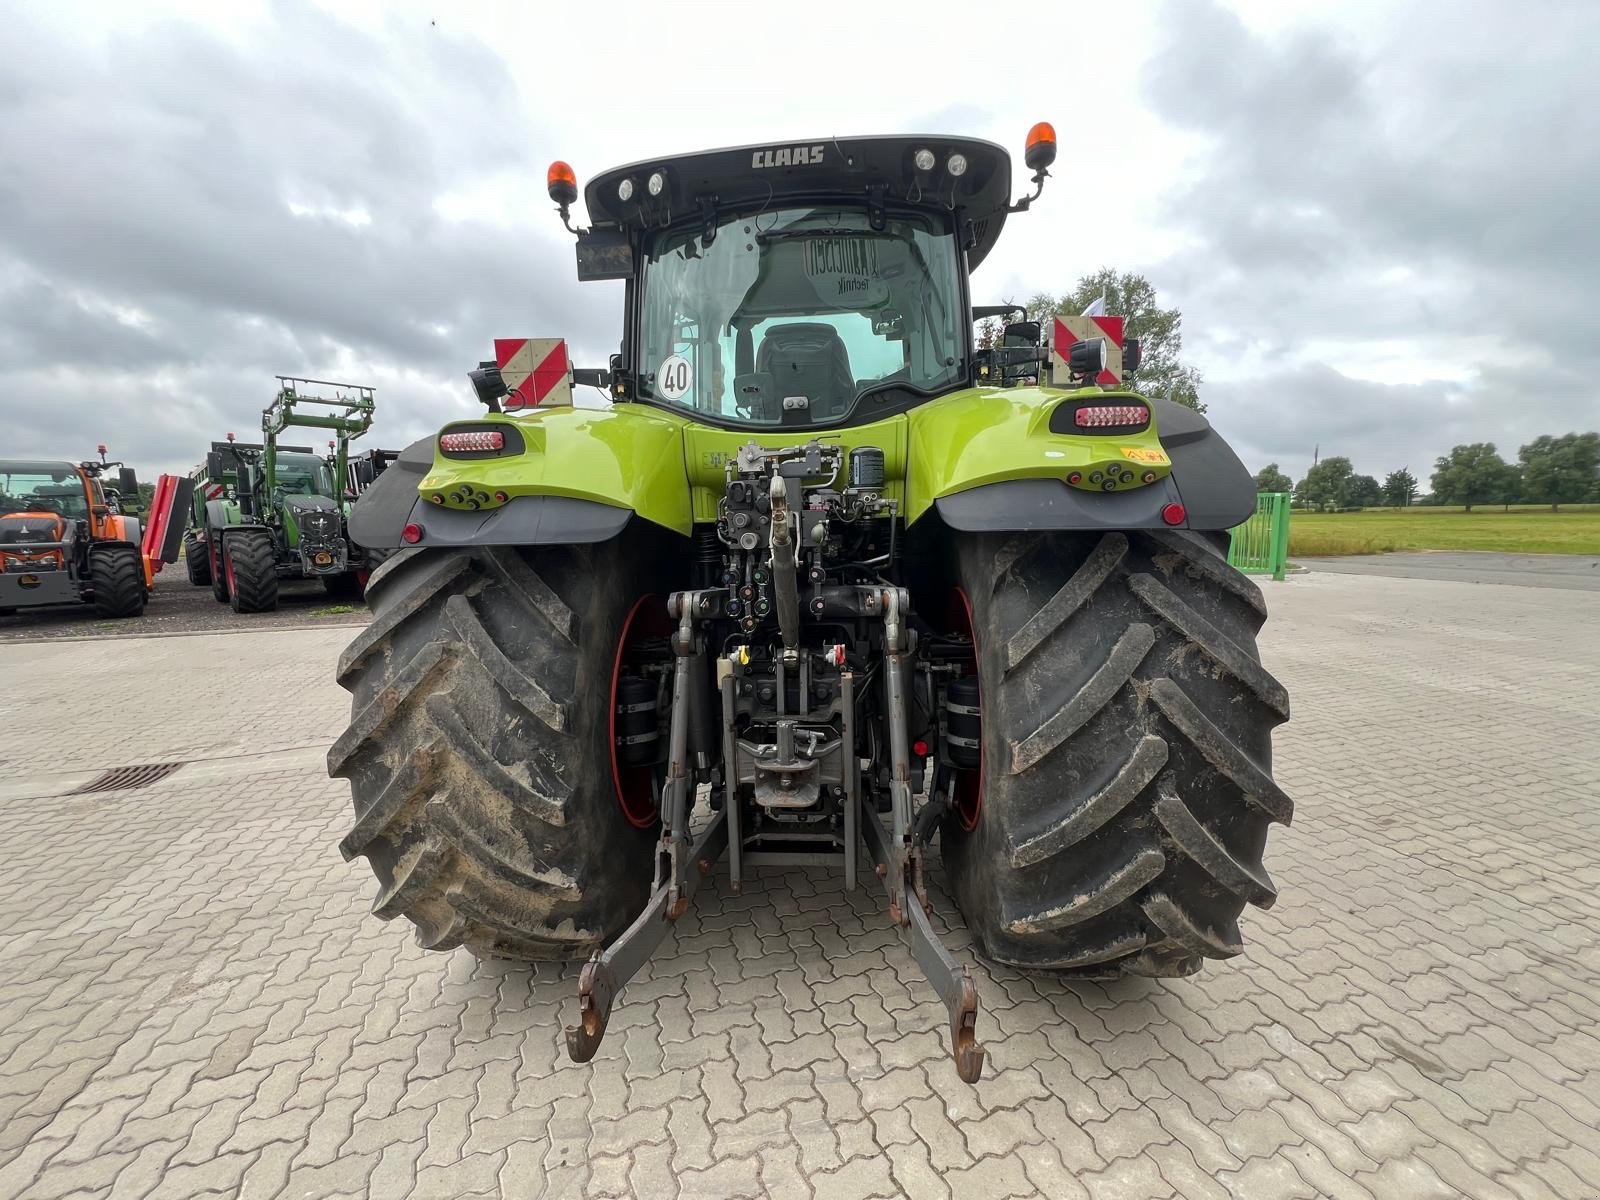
[[212, 544], [250, 562], [117, 573], [196, 560], [1126, 752], [479, 745]]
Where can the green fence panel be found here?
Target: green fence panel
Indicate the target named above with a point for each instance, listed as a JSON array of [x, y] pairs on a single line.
[[1261, 545]]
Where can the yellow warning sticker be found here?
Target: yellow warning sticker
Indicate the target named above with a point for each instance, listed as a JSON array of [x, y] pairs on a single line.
[[1140, 454]]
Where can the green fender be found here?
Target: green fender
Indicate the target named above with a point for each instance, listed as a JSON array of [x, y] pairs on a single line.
[[563, 475], [989, 435]]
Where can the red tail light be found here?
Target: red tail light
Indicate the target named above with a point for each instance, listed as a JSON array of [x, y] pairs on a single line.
[[411, 534], [1174, 514], [472, 439], [1094, 416]]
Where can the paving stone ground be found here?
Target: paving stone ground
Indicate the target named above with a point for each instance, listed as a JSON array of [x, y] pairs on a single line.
[[193, 999]]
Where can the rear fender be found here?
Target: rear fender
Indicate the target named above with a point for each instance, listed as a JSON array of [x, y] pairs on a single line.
[[221, 513], [987, 459], [569, 475]]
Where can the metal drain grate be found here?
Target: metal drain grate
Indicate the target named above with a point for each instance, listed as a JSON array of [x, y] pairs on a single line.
[[122, 779]]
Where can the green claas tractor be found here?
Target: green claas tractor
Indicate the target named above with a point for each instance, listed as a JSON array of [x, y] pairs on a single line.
[[264, 511], [806, 592]]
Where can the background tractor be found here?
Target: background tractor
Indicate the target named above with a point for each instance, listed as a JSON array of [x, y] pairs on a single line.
[[813, 590], [264, 511], [64, 538]]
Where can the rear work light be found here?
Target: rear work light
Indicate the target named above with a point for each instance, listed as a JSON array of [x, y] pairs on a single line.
[[475, 439], [1096, 416]]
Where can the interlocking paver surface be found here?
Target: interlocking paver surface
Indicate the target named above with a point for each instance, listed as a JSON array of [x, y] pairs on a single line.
[[193, 999]]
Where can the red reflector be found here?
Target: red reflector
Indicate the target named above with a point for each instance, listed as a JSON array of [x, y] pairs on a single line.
[[473, 439], [411, 534], [1174, 514], [1075, 477], [919, 748], [1112, 414]]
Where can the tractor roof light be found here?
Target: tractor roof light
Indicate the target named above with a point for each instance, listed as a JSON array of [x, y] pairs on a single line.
[[561, 183], [657, 183], [1039, 153], [1040, 150], [923, 160], [956, 164], [625, 190]]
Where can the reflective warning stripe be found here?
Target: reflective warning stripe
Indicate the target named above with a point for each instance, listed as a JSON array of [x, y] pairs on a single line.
[[536, 372], [213, 491], [1081, 329]]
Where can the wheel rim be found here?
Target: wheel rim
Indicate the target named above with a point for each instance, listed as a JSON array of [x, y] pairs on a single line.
[[647, 618], [968, 799]]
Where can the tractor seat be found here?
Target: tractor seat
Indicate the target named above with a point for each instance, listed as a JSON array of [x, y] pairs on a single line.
[[807, 359]]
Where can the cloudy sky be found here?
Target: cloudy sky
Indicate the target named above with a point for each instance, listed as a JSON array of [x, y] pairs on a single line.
[[1378, 220]]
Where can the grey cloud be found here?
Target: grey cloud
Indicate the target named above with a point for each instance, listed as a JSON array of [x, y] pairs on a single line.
[[151, 265], [1429, 185]]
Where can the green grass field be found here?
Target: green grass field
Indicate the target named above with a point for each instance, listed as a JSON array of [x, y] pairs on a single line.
[[1524, 530]]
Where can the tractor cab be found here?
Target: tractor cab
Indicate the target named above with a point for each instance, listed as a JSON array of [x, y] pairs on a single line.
[[807, 285], [41, 503], [66, 537]]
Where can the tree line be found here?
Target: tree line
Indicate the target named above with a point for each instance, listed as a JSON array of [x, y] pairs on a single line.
[[1553, 470], [1132, 297]]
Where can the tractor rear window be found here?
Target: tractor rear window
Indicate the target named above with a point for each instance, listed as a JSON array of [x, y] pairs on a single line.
[[43, 490], [788, 317]]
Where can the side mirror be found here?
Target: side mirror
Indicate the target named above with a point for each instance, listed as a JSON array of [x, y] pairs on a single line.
[[128, 483], [1131, 351]]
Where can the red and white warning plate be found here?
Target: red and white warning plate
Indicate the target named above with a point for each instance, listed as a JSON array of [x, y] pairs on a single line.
[[536, 371], [1081, 329]]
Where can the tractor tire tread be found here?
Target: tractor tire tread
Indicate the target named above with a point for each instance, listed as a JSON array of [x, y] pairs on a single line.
[[476, 799], [250, 561], [117, 575], [195, 561], [1127, 747]]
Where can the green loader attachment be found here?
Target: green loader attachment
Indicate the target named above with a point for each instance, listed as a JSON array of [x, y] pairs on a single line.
[[818, 583], [266, 511]]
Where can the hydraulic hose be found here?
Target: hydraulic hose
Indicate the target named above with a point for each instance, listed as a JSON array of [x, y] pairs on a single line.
[[785, 586]]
